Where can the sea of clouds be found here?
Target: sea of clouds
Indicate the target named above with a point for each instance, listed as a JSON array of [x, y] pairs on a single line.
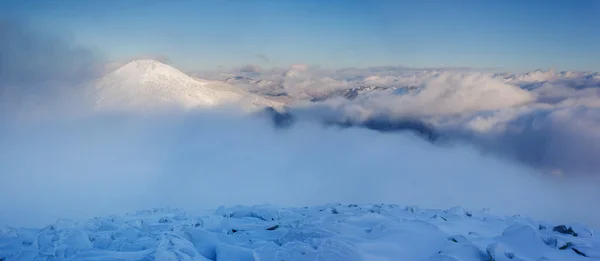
[[518, 144], [545, 119]]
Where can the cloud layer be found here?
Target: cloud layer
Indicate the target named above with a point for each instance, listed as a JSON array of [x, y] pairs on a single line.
[[499, 132], [543, 119], [40, 72], [114, 164]]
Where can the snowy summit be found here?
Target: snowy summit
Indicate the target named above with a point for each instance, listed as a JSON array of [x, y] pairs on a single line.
[[329, 233], [149, 84]]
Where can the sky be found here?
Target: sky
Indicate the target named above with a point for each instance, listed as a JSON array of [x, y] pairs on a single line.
[[512, 34]]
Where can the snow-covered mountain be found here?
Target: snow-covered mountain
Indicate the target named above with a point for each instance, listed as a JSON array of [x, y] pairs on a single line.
[[149, 84], [548, 76], [332, 232], [353, 93]]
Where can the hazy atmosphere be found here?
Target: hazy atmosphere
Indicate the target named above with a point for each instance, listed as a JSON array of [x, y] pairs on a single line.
[[110, 107]]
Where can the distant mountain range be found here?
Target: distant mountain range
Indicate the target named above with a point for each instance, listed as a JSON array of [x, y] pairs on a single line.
[[350, 84], [351, 94], [150, 84]]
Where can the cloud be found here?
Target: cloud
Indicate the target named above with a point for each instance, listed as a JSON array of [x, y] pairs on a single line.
[[157, 57], [122, 163], [532, 125], [251, 68], [513, 116], [453, 93], [299, 67], [30, 57], [42, 72], [564, 140], [263, 57], [442, 138], [554, 132]]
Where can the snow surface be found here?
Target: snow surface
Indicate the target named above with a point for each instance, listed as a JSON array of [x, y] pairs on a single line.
[[149, 84], [330, 232]]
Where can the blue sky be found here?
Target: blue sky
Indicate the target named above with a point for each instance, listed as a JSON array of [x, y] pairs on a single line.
[[511, 34]]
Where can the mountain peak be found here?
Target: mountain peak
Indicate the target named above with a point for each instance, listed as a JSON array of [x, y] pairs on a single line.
[[149, 66], [147, 83], [145, 63], [148, 62]]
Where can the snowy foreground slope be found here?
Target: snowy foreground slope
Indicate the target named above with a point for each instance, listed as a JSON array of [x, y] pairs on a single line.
[[332, 232]]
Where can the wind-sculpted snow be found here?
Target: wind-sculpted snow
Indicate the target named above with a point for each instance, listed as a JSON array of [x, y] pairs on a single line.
[[343, 232]]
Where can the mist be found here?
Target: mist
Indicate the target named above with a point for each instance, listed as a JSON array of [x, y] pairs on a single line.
[[43, 74], [61, 159], [113, 164]]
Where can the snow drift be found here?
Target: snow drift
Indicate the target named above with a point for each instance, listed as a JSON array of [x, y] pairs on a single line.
[[334, 232]]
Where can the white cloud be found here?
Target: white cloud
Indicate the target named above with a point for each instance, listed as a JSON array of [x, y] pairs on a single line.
[[542, 127], [109, 67], [251, 68], [455, 93], [263, 57], [43, 74], [299, 67], [507, 114]]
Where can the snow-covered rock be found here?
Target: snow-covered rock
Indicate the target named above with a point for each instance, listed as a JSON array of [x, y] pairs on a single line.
[[331, 232]]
